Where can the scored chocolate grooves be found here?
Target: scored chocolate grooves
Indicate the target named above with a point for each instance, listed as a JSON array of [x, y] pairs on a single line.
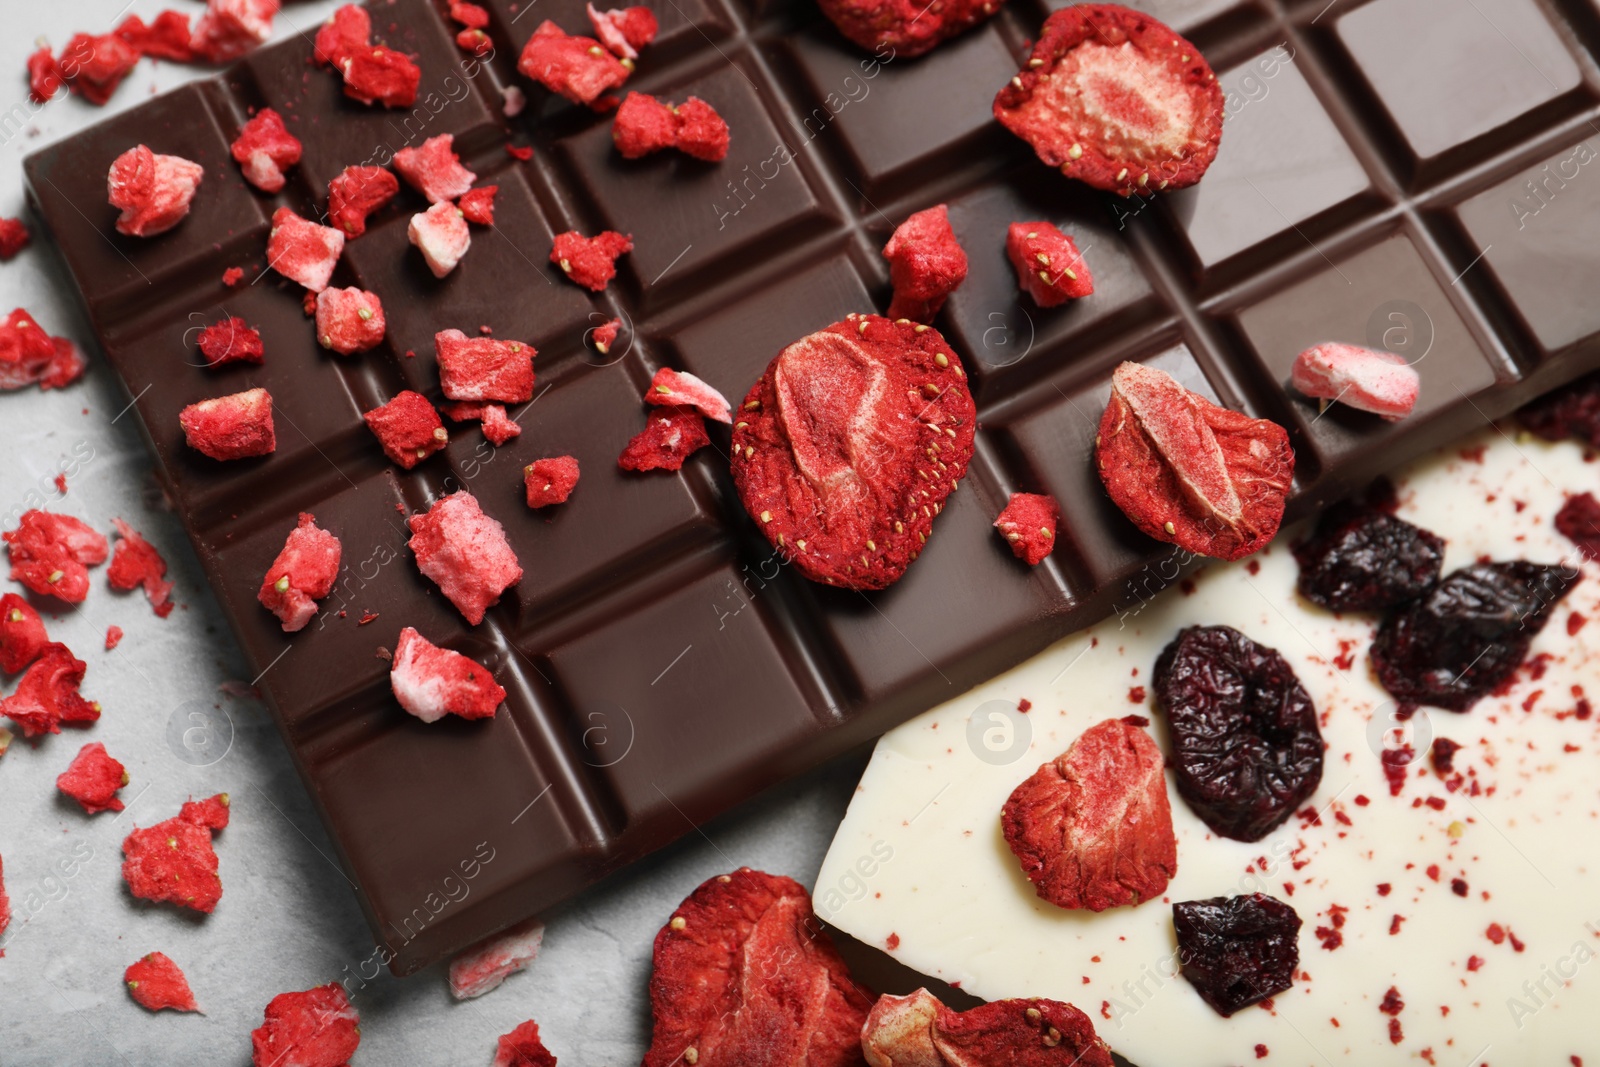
[[661, 664]]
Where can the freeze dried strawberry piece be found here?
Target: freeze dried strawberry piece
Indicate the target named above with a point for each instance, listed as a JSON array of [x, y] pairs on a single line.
[[229, 29], [605, 335], [263, 148], [156, 983], [643, 125], [22, 633], [1185, 471], [349, 320], [408, 428], [302, 574], [51, 554], [672, 388], [348, 30], [44, 75], [166, 38], [434, 170], [377, 74], [236, 426], [1028, 524], [1578, 521], [477, 205], [498, 427], [232, 276], [522, 1048], [14, 237], [926, 264], [431, 682], [303, 251], [743, 976], [65, 367], [671, 436], [484, 368], [471, 16], [702, 133], [356, 193], [624, 30], [134, 563], [27, 352], [481, 968], [152, 191], [550, 481], [576, 67], [848, 446], [918, 1031], [1363, 378], [173, 862], [475, 41], [590, 261], [230, 340], [93, 778], [212, 812], [113, 637], [441, 234], [1049, 267], [47, 695], [1116, 100], [1093, 828], [465, 552], [93, 66], [904, 28], [316, 1028]]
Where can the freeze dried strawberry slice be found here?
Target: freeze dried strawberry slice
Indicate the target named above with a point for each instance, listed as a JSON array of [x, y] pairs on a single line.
[[671, 436], [113, 636], [66, 365], [484, 368], [431, 682], [232, 276], [926, 264], [441, 234], [1093, 828], [349, 320], [481, 968], [230, 340], [670, 388], [590, 261], [236, 426], [93, 778], [166, 38], [379, 75], [643, 125], [14, 237], [303, 251], [263, 148], [477, 205], [44, 75], [576, 67], [522, 1048], [1049, 267], [498, 427], [1116, 100], [356, 193], [918, 1031], [550, 481], [302, 574], [134, 563], [316, 1028], [229, 29], [624, 30], [904, 28], [408, 428], [22, 633], [847, 447], [93, 66], [47, 695], [434, 170], [742, 976], [1363, 378], [465, 552], [173, 862], [348, 30], [1186, 471], [605, 335], [152, 191], [1029, 526], [51, 554], [155, 983]]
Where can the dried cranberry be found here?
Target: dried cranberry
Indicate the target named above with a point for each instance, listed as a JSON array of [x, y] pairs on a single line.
[[1360, 559], [1579, 522], [1468, 634], [1573, 411], [1237, 951], [1246, 748]]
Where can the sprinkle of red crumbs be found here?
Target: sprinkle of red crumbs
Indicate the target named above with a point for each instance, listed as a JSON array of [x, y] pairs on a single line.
[[1474, 962], [1261, 1052], [1384, 889]]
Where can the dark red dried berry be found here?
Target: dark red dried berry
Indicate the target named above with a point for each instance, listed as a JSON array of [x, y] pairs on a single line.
[[1237, 951], [1572, 411], [1245, 745], [1579, 522], [1361, 559], [1467, 634]]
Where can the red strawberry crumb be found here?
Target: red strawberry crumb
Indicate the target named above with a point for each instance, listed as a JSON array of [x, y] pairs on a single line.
[[349, 320], [264, 148], [434, 170], [94, 66], [113, 637], [47, 695], [484, 368], [152, 191], [522, 1048], [380, 75], [498, 426], [441, 235], [22, 633], [167, 37], [465, 552], [236, 426], [1516, 943], [575, 67], [550, 481], [408, 428], [477, 205], [671, 435], [1363, 378], [926, 264], [173, 862], [44, 76], [347, 30], [1394, 924], [431, 682], [1024, 705], [481, 968], [1362, 800], [1575, 622], [1261, 1052], [93, 778], [303, 251], [155, 983], [51, 554], [521, 152], [1028, 524], [1474, 962], [470, 15], [356, 193], [892, 942], [590, 261], [303, 573], [1048, 264], [1395, 763], [605, 335], [316, 1028], [672, 388], [229, 29], [135, 562], [14, 237], [230, 340], [232, 276], [624, 31]]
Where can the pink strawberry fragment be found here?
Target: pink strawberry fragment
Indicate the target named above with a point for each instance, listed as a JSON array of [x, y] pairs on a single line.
[[48, 696], [550, 481], [228, 29], [431, 682], [51, 554], [523, 1048], [434, 170], [644, 125], [481, 968], [264, 148], [679, 388], [93, 778], [303, 251], [135, 562], [316, 1028], [408, 428], [157, 984], [152, 191], [22, 633], [498, 427], [441, 234], [379, 75], [605, 335], [1049, 267], [1363, 378], [575, 67], [30, 356], [484, 368], [302, 574], [237, 426], [590, 261], [1028, 524], [346, 31], [670, 437], [349, 320], [230, 340], [44, 75], [173, 862], [624, 30], [465, 552], [477, 205], [926, 264], [356, 193]]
